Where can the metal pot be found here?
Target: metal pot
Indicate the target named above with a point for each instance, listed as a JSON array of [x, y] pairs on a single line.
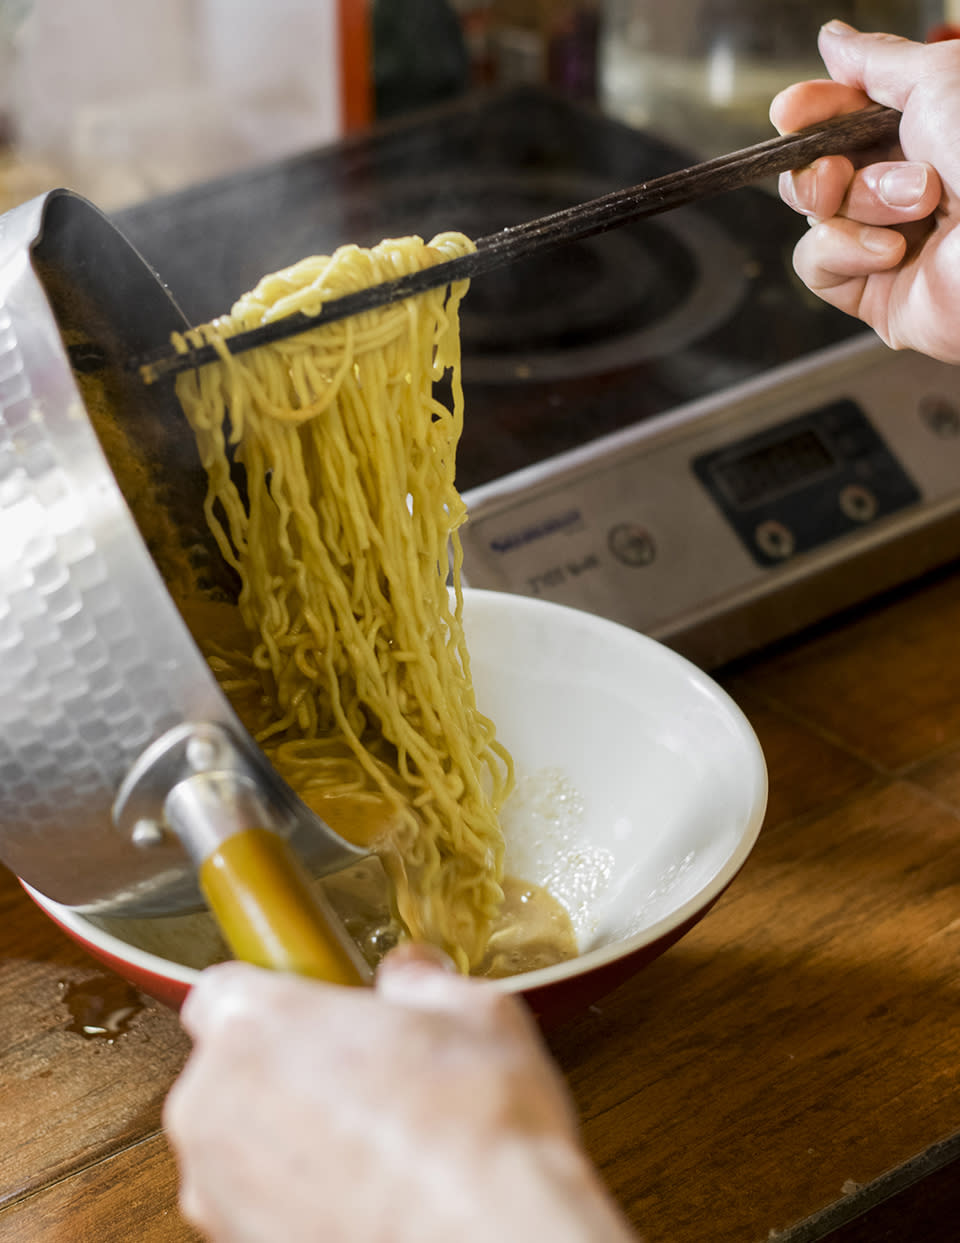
[[123, 768]]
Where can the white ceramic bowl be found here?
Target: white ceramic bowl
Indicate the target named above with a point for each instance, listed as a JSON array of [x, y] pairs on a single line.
[[641, 791]]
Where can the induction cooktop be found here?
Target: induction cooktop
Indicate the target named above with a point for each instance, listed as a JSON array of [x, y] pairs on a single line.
[[662, 426], [561, 348]]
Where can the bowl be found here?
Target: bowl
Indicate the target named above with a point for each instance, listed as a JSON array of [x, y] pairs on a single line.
[[641, 789]]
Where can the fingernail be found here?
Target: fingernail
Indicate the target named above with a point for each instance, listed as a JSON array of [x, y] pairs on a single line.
[[904, 185], [837, 27], [880, 241], [799, 185], [788, 188]]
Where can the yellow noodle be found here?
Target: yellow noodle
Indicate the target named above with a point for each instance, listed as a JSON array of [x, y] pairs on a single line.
[[331, 469]]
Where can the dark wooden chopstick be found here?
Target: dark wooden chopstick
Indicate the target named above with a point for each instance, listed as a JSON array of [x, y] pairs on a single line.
[[854, 131]]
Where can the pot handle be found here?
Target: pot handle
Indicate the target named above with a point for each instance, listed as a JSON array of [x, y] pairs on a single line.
[[233, 817], [260, 896]]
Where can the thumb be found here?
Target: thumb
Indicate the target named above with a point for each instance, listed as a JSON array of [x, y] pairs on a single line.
[[885, 67], [424, 978]]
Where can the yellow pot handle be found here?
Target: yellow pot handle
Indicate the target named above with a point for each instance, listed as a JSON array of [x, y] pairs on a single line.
[[268, 913]]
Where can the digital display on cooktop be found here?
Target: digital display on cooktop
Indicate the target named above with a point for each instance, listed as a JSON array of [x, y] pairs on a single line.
[[773, 468]]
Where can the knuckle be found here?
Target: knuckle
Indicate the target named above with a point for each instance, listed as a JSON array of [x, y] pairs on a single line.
[[943, 54], [175, 1107], [193, 1207]]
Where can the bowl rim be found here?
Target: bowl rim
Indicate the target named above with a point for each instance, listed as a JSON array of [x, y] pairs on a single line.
[[144, 961]]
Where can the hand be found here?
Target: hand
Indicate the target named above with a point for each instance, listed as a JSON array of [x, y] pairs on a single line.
[[426, 1109], [884, 243]]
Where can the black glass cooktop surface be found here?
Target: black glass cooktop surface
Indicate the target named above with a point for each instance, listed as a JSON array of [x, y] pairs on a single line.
[[561, 348]]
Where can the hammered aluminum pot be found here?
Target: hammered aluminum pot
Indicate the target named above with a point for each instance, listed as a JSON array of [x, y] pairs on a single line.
[[127, 783]]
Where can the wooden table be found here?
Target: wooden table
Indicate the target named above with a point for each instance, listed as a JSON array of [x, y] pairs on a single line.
[[789, 1064]]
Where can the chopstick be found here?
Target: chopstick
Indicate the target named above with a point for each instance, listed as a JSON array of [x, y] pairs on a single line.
[[855, 131]]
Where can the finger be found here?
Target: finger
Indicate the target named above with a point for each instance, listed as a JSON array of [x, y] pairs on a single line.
[[475, 1004], [837, 256], [413, 954], [420, 976], [820, 189], [805, 103], [892, 193]]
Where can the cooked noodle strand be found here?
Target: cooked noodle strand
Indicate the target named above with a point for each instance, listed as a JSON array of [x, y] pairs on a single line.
[[331, 492]]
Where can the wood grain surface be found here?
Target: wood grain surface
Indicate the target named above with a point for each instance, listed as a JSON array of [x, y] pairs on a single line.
[[796, 1047]]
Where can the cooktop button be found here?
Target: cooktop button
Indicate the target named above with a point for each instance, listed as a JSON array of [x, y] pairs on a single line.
[[774, 539], [858, 502], [631, 544], [941, 416]]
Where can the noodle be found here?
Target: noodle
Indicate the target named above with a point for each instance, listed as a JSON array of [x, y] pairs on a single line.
[[331, 492]]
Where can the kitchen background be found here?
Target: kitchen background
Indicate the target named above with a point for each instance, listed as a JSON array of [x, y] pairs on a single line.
[[124, 100], [833, 960], [664, 427]]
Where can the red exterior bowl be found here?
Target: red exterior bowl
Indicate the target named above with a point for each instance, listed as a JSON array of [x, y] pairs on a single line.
[[641, 791]]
